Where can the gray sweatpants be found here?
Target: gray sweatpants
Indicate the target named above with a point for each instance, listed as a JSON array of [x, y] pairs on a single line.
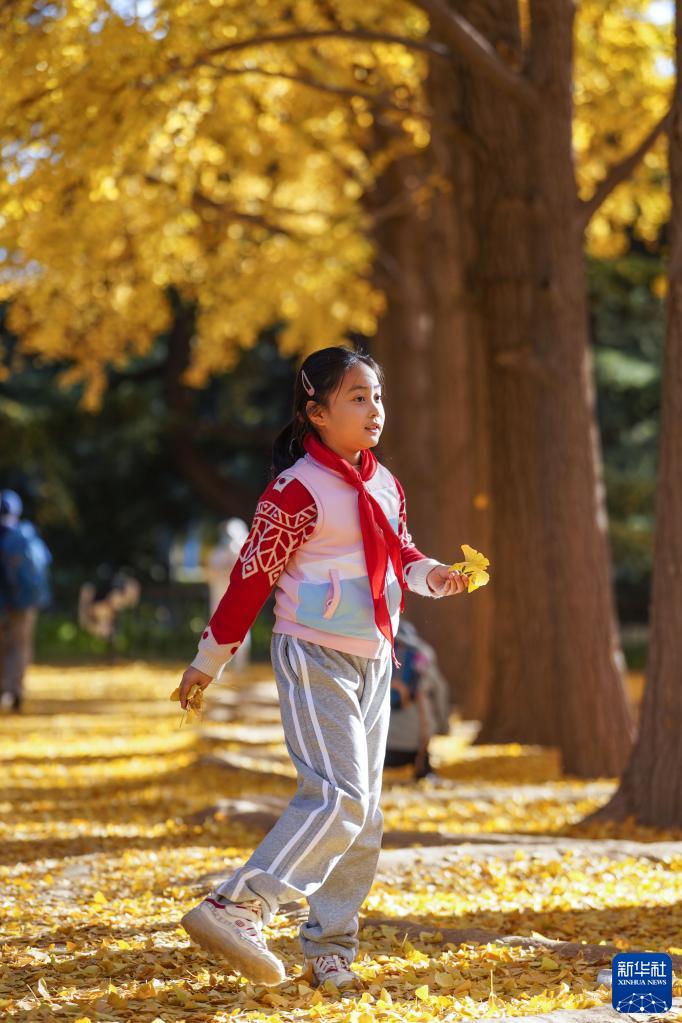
[[335, 709]]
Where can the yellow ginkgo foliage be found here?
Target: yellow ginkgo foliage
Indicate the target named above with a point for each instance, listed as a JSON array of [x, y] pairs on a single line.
[[221, 153], [105, 848], [474, 567], [622, 88], [217, 151]]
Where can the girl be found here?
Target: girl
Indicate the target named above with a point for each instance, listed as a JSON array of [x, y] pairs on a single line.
[[331, 531]]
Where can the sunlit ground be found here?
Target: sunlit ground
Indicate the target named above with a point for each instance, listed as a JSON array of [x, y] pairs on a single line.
[[101, 853]]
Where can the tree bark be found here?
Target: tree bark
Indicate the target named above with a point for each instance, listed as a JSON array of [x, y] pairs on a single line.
[[596, 727], [425, 345], [557, 675], [519, 705], [650, 790], [506, 291], [225, 496]]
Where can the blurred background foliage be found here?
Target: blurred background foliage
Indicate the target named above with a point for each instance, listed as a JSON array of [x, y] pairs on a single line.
[[86, 478], [208, 215], [107, 495]]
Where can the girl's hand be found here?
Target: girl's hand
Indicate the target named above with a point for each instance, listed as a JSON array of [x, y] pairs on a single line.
[[191, 677], [445, 581]]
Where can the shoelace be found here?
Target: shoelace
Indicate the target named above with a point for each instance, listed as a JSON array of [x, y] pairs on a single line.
[[248, 929], [254, 907], [251, 931], [330, 963]]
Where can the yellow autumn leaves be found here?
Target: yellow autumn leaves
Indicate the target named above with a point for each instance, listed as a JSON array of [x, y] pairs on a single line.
[[239, 183], [474, 567], [102, 850], [235, 183]]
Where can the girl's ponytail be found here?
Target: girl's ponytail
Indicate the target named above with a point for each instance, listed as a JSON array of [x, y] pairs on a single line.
[[286, 449], [318, 378]]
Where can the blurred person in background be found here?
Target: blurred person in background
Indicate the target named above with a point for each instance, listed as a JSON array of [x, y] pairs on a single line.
[[24, 591], [221, 561], [419, 703], [99, 605]]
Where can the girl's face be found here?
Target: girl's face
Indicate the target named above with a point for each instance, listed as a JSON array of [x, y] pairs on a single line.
[[353, 417]]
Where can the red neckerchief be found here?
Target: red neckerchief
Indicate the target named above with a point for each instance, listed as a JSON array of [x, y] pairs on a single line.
[[378, 536]]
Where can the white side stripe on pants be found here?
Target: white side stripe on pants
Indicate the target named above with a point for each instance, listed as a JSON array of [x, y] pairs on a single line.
[[325, 784]]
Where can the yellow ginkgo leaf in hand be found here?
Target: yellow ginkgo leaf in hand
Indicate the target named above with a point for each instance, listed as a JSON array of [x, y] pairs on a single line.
[[195, 702], [473, 567], [195, 699]]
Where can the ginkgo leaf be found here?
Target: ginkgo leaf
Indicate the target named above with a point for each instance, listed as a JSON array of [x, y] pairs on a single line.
[[130, 957], [115, 999], [194, 702], [474, 567], [41, 988]]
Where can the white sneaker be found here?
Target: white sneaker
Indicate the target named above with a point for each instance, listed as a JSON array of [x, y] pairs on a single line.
[[235, 931], [332, 967]]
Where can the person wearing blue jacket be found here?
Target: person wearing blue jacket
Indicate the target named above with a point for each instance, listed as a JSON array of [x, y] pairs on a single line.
[[24, 589]]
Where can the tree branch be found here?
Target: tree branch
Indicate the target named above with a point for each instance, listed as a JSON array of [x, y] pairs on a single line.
[[135, 376], [461, 36], [435, 49], [619, 172], [230, 212], [378, 100]]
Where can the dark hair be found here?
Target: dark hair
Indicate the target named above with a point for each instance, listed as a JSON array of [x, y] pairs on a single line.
[[323, 371]]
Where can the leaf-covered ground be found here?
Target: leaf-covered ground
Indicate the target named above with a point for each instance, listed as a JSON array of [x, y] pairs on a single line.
[[105, 840]]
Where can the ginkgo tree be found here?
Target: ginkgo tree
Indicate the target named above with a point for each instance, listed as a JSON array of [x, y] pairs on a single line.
[[215, 150], [223, 151], [549, 133], [649, 790], [204, 170]]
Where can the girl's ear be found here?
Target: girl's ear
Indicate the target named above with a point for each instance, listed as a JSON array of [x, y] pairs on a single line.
[[315, 413]]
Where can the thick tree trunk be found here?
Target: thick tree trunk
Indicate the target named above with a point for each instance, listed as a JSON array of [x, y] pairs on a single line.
[[517, 259], [595, 722], [557, 675], [424, 343], [227, 497], [556, 669], [651, 786], [521, 706]]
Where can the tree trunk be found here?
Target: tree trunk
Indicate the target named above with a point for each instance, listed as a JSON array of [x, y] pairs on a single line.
[[557, 678], [520, 706], [595, 721], [424, 344], [227, 497], [651, 786], [511, 246]]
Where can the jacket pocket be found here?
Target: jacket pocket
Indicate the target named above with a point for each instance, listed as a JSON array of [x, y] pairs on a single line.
[[334, 594]]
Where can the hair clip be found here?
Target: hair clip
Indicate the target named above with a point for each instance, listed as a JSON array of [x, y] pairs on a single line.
[[306, 382]]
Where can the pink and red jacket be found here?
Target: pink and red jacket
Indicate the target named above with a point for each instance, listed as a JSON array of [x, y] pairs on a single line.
[[305, 539]]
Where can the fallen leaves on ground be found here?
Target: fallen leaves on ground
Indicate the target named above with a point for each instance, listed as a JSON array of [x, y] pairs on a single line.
[[100, 857]]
